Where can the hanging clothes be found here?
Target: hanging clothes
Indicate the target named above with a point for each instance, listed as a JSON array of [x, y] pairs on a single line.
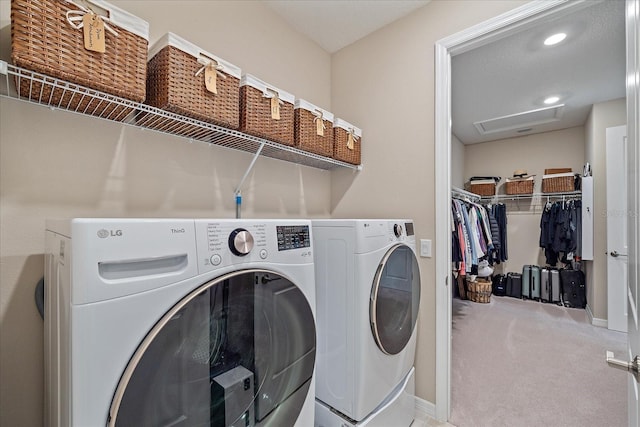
[[561, 231]]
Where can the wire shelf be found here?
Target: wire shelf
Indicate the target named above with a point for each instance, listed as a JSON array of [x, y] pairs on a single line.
[[35, 88]]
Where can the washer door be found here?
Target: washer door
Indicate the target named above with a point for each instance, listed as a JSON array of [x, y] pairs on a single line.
[[237, 351], [395, 299]]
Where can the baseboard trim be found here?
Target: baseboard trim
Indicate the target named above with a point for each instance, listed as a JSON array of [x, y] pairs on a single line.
[[601, 323], [424, 407]]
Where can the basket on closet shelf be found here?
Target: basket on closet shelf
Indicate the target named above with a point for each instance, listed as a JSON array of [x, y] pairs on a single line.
[[47, 36], [313, 128], [187, 80], [479, 290], [481, 187], [266, 111], [558, 180], [519, 186], [347, 142]]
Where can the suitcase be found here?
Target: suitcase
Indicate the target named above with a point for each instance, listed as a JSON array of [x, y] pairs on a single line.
[[499, 285], [574, 292], [531, 282], [550, 285], [514, 285]]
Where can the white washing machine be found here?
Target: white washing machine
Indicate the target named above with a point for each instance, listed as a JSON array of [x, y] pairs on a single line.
[[170, 322], [367, 296]]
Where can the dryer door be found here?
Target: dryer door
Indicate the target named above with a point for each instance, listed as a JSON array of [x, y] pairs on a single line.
[[237, 351], [395, 299]]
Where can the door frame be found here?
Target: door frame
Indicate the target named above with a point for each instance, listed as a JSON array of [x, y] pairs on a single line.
[[491, 30]]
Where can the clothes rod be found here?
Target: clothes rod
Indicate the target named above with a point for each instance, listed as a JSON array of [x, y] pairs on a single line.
[[464, 193]]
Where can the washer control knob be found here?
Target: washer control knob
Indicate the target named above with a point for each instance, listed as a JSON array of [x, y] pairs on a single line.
[[397, 230], [240, 242]]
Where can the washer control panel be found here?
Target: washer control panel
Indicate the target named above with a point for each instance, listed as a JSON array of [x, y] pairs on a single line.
[[222, 243]]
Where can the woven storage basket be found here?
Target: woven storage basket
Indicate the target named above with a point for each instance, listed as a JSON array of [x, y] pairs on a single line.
[[176, 82], [519, 186], [558, 184], [306, 118], [479, 290], [42, 40], [481, 189], [255, 111], [344, 134]]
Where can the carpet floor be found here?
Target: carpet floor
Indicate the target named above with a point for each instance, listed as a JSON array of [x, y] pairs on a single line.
[[525, 363]]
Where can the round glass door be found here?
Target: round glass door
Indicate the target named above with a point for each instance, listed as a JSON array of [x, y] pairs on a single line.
[[395, 299], [237, 351]]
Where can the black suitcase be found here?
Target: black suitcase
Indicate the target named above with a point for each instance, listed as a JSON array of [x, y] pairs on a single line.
[[514, 285], [574, 290], [499, 285]]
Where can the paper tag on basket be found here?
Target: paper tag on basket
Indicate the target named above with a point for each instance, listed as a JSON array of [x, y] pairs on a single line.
[[350, 141], [275, 108], [319, 126], [210, 78], [93, 26]]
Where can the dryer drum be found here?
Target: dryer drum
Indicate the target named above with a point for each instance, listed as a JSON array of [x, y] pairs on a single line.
[[238, 350], [395, 299]]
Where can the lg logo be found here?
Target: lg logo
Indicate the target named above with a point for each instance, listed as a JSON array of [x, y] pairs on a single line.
[[103, 234]]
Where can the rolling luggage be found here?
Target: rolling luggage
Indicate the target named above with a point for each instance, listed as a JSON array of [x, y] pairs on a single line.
[[574, 292], [550, 285], [531, 282], [514, 285], [499, 285]]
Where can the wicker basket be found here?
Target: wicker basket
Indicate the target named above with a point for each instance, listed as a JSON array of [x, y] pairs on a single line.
[[255, 111], [479, 290], [176, 83], [347, 142], [485, 189], [42, 40], [307, 119], [524, 186], [558, 184]]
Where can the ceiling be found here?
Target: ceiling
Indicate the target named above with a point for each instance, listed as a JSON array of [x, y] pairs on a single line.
[[505, 78]]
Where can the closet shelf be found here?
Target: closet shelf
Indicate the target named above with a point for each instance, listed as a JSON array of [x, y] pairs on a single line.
[[35, 88], [503, 197]]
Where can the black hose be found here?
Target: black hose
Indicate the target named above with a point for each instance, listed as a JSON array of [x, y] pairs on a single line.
[[39, 297]]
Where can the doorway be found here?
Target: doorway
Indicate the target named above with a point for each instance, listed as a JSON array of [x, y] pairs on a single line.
[[469, 39]]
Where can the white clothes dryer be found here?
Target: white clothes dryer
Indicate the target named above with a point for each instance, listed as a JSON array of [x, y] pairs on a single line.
[[367, 296], [179, 322]]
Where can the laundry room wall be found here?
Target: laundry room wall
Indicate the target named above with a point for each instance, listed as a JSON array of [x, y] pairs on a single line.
[[602, 116], [55, 164], [385, 84], [533, 153]]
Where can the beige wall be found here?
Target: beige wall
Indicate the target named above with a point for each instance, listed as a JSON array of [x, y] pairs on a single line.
[[602, 116], [534, 153], [386, 83], [54, 164], [457, 162]]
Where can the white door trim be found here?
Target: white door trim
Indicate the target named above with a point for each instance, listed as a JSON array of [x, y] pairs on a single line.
[[473, 37]]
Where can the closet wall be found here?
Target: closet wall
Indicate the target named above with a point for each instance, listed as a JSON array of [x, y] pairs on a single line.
[[534, 153], [457, 163], [602, 116]]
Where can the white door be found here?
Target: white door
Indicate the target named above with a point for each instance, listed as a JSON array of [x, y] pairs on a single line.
[[616, 228]]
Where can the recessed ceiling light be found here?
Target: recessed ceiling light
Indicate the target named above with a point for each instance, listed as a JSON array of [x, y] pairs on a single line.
[[555, 39], [551, 100]]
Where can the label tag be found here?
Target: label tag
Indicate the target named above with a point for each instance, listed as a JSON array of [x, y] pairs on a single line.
[[210, 78], [350, 141], [275, 108], [319, 126], [93, 27]]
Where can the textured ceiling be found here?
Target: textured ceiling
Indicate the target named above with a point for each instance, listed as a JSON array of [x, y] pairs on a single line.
[[514, 75], [334, 24]]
